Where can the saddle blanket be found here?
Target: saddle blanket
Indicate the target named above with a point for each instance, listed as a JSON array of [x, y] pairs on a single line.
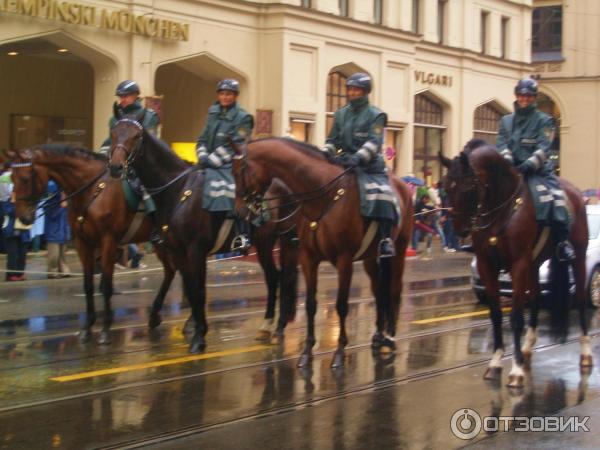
[[377, 198], [219, 190]]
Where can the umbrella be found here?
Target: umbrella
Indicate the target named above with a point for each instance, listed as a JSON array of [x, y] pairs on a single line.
[[413, 180]]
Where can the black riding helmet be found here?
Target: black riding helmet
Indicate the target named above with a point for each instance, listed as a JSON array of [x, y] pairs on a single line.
[[229, 84], [127, 87], [526, 86], [360, 80]]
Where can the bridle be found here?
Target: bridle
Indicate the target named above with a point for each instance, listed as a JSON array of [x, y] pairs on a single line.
[[135, 150], [33, 196], [255, 201]]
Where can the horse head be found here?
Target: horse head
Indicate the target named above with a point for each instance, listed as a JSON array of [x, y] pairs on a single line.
[[126, 141], [460, 183], [29, 183], [251, 182]]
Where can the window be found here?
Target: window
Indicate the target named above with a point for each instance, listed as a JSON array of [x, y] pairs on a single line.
[[504, 33], [416, 13], [546, 39], [344, 11], [306, 3], [428, 138], [487, 123], [378, 11], [336, 95], [301, 128], [440, 21], [483, 36]]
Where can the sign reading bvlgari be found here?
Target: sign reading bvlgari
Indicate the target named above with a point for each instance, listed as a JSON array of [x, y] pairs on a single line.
[[433, 78], [81, 14]]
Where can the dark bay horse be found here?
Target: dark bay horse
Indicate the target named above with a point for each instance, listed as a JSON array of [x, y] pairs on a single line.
[[190, 232], [330, 228], [98, 215], [490, 199]]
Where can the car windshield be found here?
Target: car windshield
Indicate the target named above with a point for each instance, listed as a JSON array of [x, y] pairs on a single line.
[[593, 225]]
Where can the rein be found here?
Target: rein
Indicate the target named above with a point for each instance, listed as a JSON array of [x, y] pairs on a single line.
[[500, 207]]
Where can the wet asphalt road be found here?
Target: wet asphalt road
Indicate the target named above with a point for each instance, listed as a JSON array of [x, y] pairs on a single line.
[[145, 391]]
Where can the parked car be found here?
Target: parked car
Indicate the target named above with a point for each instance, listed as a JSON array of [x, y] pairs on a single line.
[[592, 283]]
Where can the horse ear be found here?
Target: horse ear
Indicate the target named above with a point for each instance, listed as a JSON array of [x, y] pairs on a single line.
[[117, 112], [446, 162]]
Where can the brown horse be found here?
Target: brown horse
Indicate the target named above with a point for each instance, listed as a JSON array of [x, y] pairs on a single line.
[[490, 199], [98, 215], [330, 228], [190, 232]]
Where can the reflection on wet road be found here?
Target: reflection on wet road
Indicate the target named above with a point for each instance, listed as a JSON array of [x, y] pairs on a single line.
[[145, 391]]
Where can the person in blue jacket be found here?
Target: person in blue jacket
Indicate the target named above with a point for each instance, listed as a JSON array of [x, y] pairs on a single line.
[[57, 232]]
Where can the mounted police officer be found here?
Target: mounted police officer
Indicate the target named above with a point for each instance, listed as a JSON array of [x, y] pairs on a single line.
[[355, 140], [226, 121], [130, 104], [525, 138]]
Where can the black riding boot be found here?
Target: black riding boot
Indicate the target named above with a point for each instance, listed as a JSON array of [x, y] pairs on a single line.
[[386, 247], [155, 234], [564, 249], [241, 243]]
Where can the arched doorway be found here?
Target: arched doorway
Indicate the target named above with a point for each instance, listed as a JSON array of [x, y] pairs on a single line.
[[50, 94], [188, 88], [429, 131], [486, 122], [549, 106]]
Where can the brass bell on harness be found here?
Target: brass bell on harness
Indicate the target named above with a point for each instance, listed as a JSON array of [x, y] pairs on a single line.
[[102, 185], [493, 240], [185, 195], [165, 228], [80, 219], [313, 226], [518, 202]]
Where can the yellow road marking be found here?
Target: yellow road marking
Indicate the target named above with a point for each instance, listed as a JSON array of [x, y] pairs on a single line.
[[455, 316], [150, 365]]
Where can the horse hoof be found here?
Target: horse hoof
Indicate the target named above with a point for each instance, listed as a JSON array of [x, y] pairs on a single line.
[[155, 320], [305, 360], [338, 360], [104, 338], [515, 381], [190, 325], [377, 341], [492, 373], [277, 338], [198, 345], [586, 361], [85, 335], [387, 346], [262, 335]]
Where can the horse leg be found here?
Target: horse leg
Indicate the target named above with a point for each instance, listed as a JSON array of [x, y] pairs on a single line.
[[489, 277], [585, 360], [107, 258], [87, 258], [288, 257], [309, 268], [195, 287], [157, 304], [344, 270], [520, 274], [265, 258], [394, 280], [371, 268], [531, 334]]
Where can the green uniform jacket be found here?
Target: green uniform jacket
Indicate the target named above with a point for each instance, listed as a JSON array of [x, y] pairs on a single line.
[[150, 122], [358, 129], [527, 135], [222, 125]]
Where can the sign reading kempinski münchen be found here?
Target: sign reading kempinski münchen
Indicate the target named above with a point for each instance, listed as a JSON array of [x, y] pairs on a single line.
[[81, 14]]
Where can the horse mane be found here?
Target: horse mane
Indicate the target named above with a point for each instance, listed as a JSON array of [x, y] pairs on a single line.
[[70, 151], [303, 147], [163, 146], [487, 158]]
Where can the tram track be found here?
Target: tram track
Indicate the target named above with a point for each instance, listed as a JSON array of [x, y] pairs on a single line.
[[364, 389], [224, 370]]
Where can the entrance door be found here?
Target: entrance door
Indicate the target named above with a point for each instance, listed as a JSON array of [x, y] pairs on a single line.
[[27, 131]]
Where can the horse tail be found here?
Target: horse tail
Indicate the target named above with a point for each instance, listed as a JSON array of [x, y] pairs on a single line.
[[560, 299]]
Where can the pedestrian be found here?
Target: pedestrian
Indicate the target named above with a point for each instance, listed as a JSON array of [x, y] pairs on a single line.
[[227, 122], [17, 238], [424, 212], [37, 230], [57, 232]]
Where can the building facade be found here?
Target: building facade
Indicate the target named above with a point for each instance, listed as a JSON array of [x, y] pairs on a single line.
[[443, 70]]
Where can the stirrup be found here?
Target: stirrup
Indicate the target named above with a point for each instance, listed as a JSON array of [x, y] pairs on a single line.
[[386, 248], [467, 248], [155, 237], [240, 243]]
